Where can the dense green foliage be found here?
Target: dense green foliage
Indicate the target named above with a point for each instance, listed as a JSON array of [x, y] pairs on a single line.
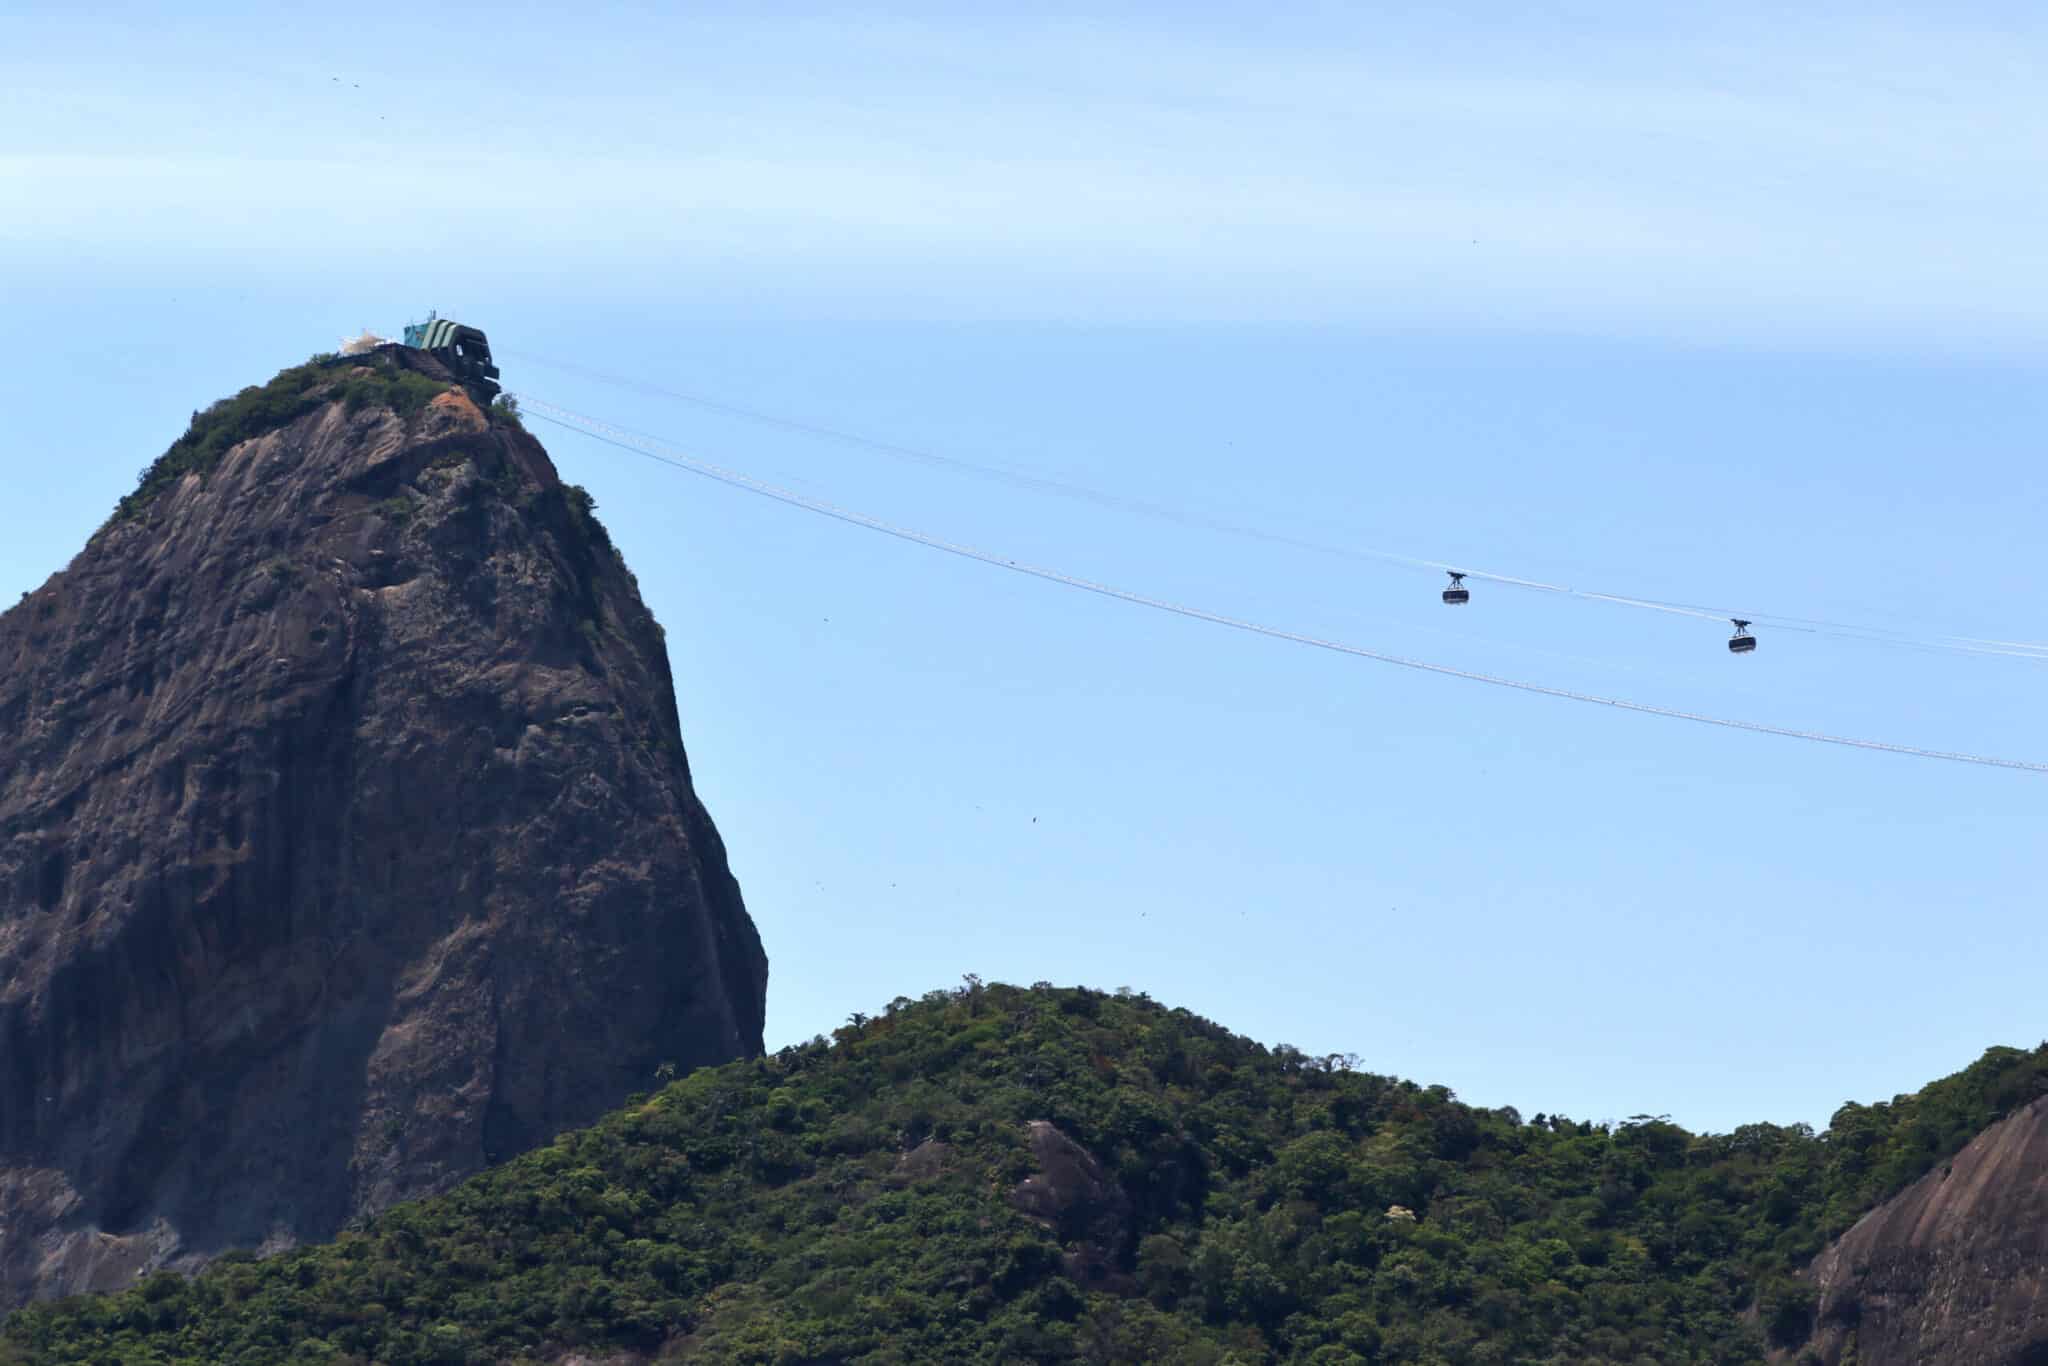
[[765, 1211], [582, 508], [261, 408]]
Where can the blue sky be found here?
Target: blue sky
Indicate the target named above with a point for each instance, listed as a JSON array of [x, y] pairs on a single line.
[[1728, 309]]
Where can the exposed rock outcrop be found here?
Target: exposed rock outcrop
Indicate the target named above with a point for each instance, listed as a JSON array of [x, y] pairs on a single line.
[[347, 842], [1082, 1204], [924, 1162], [1951, 1271]]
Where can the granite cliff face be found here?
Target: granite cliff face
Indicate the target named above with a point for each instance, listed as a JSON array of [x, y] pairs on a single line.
[[1951, 1271], [347, 841]]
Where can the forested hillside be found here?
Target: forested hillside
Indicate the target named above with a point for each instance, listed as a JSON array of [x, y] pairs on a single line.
[[1000, 1174]]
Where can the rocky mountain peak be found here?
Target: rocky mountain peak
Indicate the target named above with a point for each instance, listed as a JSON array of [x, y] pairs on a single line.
[[347, 838]]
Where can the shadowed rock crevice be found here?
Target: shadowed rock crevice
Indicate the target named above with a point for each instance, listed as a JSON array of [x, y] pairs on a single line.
[[347, 841]]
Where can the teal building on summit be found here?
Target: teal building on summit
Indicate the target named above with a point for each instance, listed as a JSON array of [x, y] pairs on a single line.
[[460, 347]]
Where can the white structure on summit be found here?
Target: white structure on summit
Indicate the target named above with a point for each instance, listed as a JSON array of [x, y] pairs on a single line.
[[368, 341]]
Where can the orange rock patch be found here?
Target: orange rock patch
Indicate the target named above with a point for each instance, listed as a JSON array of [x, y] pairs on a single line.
[[458, 404]]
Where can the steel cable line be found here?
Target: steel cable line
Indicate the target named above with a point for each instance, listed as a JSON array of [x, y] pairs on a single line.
[[1872, 635], [654, 449]]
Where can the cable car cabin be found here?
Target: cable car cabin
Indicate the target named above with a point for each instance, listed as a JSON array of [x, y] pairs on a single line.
[[1457, 595], [1742, 642], [462, 349]]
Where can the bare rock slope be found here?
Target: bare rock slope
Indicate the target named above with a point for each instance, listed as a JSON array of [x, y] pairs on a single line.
[[347, 841], [1951, 1271]]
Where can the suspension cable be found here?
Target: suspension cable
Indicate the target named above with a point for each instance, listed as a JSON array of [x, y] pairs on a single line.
[[663, 453], [1868, 634]]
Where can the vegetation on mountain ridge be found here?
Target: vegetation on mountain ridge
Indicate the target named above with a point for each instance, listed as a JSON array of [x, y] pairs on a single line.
[[286, 397], [765, 1211]]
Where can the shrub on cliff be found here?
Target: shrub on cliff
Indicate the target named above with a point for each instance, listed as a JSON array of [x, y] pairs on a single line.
[[261, 408]]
